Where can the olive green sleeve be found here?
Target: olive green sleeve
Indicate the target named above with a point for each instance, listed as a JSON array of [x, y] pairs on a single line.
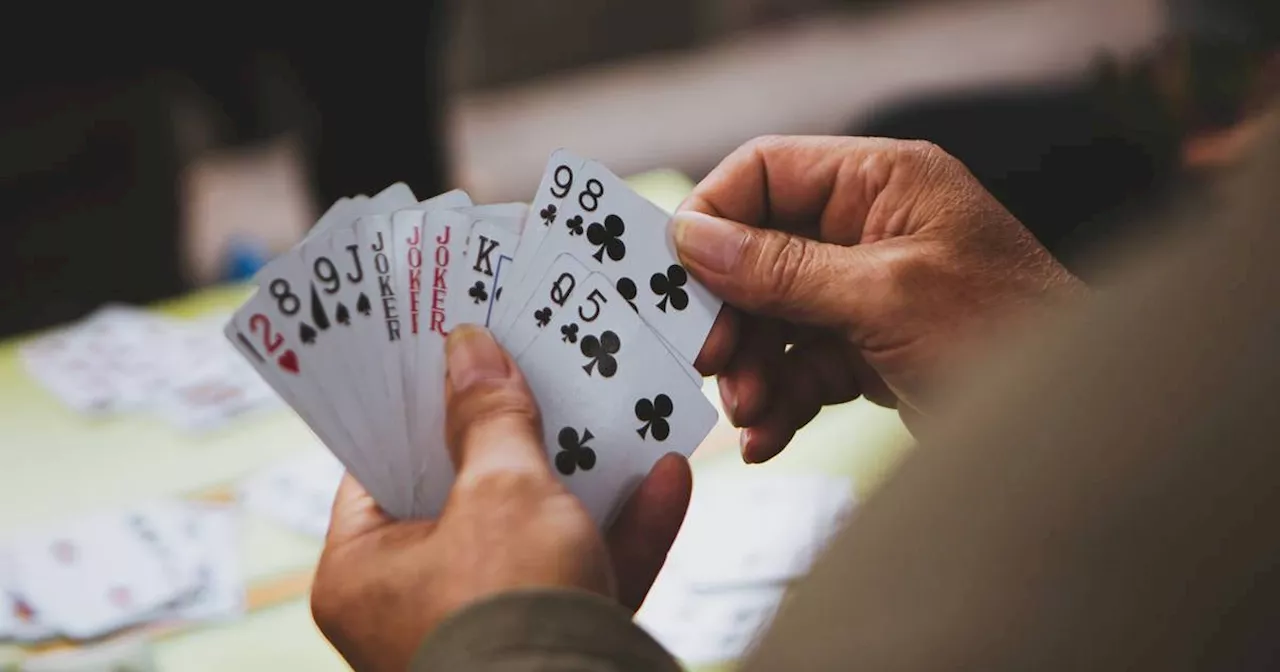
[[542, 630]]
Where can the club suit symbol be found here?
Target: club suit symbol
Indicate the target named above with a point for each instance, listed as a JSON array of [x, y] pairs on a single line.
[[600, 353], [574, 453], [654, 414], [569, 333], [548, 215], [627, 288], [574, 224], [670, 286], [542, 316], [477, 293], [607, 237]]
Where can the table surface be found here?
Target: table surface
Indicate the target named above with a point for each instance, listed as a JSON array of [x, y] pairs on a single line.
[[57, 463]]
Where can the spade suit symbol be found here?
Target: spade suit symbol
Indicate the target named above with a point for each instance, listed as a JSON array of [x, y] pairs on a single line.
[[317, 311]]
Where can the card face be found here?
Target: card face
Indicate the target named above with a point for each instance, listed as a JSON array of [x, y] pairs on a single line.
[[95, 575], [558, 180], [348, 273], [258, 334], [353, 399], [617, 232], [444, 245], [613, 399], [743, 531], [555, 289], [62, 364], [296, 493], [114, 360], [708, 627], [397, 196], [18, 620], [211, 384], [301, 305], [328, 329], [582, 288], [8, 607], [206, 540], [490, 246]]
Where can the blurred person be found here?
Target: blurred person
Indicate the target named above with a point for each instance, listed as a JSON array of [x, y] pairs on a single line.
[[1078, 162], [90, 161], [1097, 490]]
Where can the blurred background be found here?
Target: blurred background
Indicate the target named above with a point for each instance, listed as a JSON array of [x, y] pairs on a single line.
[[152, 154], [140, 157]]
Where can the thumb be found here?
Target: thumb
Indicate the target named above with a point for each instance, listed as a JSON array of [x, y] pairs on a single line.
[[492, 423], [775, 274]]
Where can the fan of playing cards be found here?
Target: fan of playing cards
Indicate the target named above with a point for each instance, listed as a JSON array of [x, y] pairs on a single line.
[[582, 287]]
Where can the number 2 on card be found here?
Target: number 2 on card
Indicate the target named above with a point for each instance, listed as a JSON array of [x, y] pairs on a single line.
[[273, 341]]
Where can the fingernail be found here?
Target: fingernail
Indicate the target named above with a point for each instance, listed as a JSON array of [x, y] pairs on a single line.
[[744, 442], [729, 400], [710, 242], [473, 356]]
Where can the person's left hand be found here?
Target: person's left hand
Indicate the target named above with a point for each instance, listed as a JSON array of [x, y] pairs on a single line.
[[383, 585]]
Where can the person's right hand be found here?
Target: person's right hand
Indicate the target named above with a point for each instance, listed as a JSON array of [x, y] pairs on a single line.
[[873, 258]]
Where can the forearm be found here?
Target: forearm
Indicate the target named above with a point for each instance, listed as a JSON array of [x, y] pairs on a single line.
[[542, 630]]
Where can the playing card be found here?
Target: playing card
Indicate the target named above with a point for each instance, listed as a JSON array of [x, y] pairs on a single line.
[[298, 306], [256, 332], [212, 384], [296, 493], [18, 621], [558, 180], [613, 399], [202, 541], [385, 348], [348, 328], [63, 365], [554, 290], [207, 543], [745, 530], [444, 250], [9, 620], [111, 361], [707, 627], [347, 210], [491, 242], [95, 575], [353, 301], [346, 270], [395, 245], [617, 232]]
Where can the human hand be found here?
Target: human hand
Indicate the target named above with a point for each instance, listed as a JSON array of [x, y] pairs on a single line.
[[874, 258], [508, 524]]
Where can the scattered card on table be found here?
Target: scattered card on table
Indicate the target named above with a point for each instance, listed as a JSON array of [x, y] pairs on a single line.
[[95, 575]]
